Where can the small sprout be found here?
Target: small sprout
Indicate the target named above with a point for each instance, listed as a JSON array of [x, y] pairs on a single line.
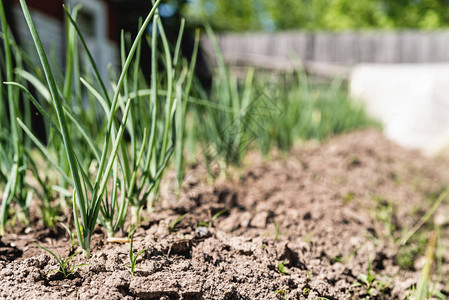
[[282, 269], [348, 197], [215, 216], [367, 278], [133, 258], [64, 267], [372, 285], [203, 224], [212, 219], [281, 294], [72, 238], [308, 275], [277, 227], [173, 223]]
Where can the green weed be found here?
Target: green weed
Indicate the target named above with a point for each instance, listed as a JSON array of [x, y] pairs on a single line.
[[281, 294], [282, 269], [172, 226], [212, 219], [372, 286], [133, 257], [64, 266]]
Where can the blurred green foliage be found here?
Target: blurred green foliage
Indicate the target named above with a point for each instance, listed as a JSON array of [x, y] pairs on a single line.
[[234, 15], [335, 15]]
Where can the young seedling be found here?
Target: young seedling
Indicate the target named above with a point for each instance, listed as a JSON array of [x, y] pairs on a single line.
[[171, 227], [215, 216], [72, 238], [209, 223], [282, 269], [443, 196], [372, 285], [277, 227], [281, 294], [64, 267], [133, 258]]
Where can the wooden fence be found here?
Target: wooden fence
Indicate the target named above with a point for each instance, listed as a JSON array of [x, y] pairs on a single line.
[[335, 50]]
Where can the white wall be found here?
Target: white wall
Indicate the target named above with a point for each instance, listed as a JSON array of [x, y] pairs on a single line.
[[411, 100]]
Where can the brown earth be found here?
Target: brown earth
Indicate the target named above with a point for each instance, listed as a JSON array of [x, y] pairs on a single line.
[[329, 215]]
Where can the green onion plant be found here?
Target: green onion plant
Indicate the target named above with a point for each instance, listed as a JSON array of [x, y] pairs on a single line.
[[226, 118], [13, 151], [108, 141], [150, 114], [308, 110], [164, 133], [86, 211]]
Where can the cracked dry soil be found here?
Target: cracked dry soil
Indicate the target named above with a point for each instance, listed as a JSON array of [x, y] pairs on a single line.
[[319, 213]]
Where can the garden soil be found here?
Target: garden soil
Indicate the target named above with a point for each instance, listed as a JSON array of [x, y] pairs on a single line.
[[324, 222]]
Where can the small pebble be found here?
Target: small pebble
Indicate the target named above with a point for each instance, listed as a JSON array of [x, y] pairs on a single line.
[[202, 232]]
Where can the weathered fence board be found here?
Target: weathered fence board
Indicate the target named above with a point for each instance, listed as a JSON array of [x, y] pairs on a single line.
[[280, 50]]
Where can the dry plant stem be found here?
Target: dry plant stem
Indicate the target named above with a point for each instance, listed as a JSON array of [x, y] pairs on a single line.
[[424, 219], [118, 240], [424, 281]]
